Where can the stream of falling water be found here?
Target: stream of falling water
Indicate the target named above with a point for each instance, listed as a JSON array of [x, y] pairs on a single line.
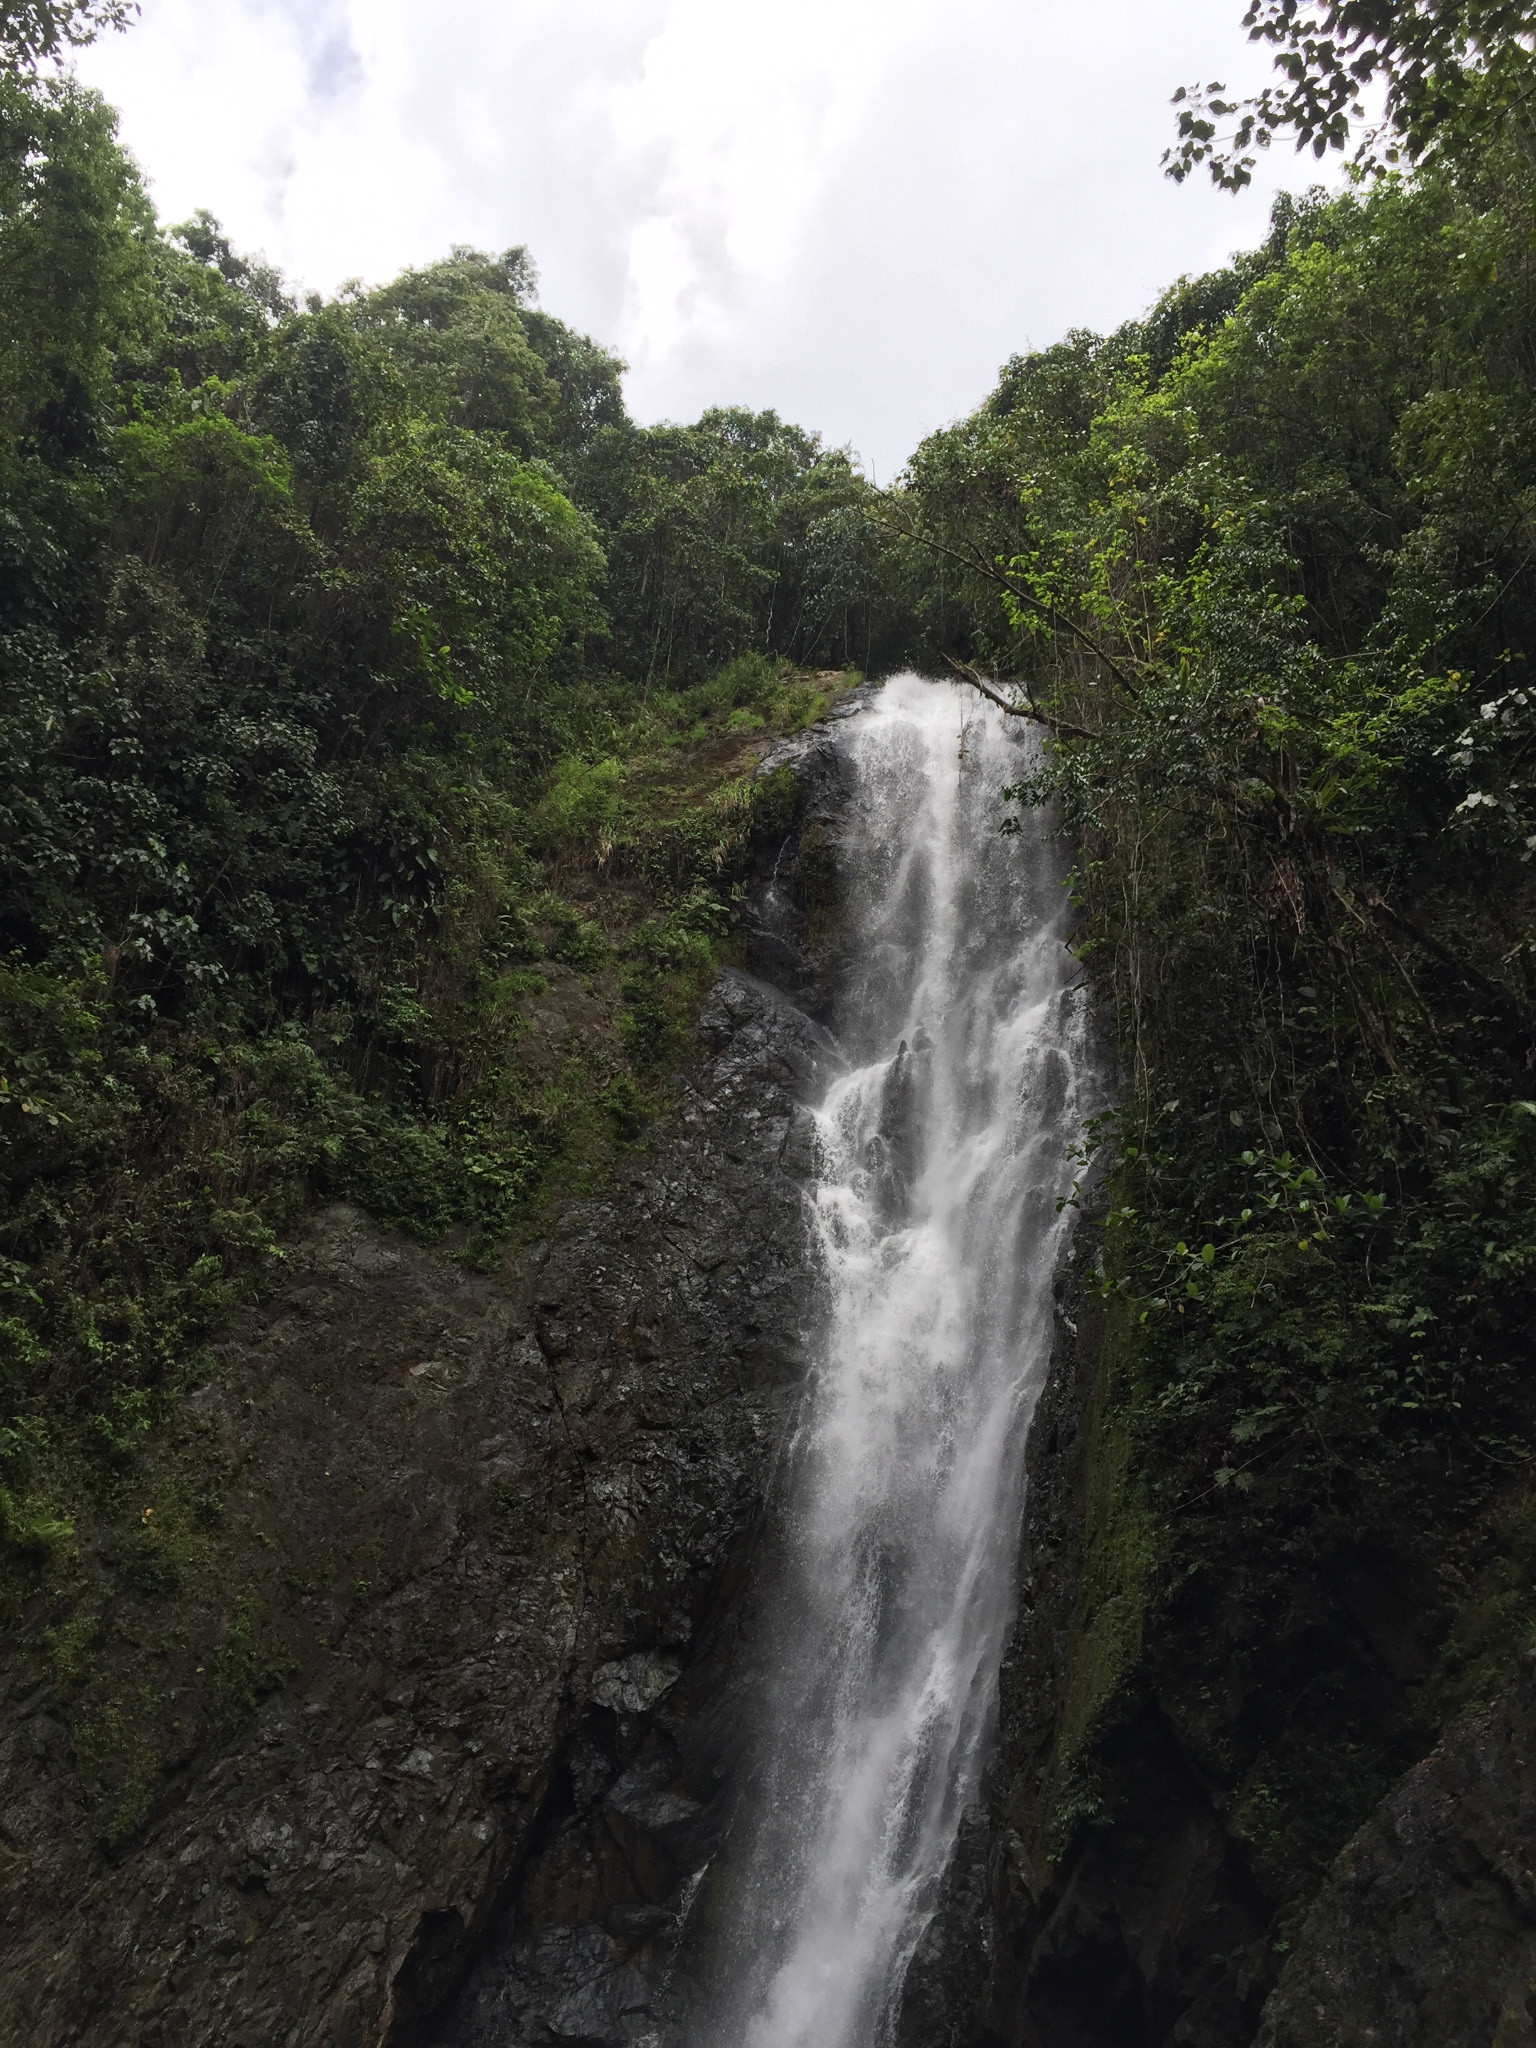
[[944, 1147]]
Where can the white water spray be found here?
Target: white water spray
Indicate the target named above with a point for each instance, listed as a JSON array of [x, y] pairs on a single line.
[[943, 1153]]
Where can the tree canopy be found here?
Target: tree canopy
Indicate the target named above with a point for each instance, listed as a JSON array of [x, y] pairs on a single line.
[[1260, 565], [337, 643], [1451, 73], [34, 30]]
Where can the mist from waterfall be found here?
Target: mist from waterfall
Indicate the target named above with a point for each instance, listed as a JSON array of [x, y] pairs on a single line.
[[943, 1151]]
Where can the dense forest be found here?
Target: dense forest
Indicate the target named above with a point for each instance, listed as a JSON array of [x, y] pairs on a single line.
[[342, 647], [1263, 566], [363, 666]]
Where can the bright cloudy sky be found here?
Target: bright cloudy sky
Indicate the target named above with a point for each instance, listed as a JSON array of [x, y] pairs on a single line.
[[851, 210]]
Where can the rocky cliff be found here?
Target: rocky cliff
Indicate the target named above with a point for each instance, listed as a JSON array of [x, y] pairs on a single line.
[[493, 1531], [1424, 1935], [486, 1550], [1111, 1888]]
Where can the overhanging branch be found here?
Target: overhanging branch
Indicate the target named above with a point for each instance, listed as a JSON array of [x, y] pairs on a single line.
[[1057, 618], [1059, 728]]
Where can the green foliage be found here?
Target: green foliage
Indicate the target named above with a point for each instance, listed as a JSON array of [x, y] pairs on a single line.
[[1497, 1622], [672, 965], [579, 803], [115, 1754], [1261, 567], [1455, 72], [74, 276], [244, 1667], [740, 536], [31, 30], [1122, 1539], [30, 1531], [457, 326], [70, 1647], [335, 738]]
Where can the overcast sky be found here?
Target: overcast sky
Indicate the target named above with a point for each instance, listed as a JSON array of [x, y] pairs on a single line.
[[850, 210]]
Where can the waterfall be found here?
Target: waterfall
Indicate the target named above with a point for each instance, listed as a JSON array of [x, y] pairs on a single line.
[[943, 1151]]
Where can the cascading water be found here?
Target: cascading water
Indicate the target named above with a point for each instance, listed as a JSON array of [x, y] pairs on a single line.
[[944, 1148]]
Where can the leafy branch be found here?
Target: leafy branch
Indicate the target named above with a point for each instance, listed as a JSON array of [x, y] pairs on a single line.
[[1063, 622], [34, 30], [1453, 70]]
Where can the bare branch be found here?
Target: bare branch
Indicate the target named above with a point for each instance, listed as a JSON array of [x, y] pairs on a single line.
[[1059, 728], [1499, 990]]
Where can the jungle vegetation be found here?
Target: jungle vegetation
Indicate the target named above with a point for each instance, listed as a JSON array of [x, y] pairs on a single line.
[[1262, 568], [363, 665]]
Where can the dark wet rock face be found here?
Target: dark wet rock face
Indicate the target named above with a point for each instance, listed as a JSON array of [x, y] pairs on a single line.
[[1139, 1934], [499, 1531], [1141, 1923], [552, 1478], [1424, 1935], [611, 1902], [644, 1781]]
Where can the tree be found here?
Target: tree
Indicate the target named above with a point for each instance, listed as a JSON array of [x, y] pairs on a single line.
[[1453, 72], [1264, 564], [31, 30]]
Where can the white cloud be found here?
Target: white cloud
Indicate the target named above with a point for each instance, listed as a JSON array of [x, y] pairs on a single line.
[[852, 210]]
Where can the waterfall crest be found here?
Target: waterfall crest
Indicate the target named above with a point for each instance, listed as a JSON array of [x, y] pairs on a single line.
[[943, 1150]]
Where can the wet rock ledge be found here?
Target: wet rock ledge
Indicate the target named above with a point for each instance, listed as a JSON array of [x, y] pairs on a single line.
[[499, 1528], [1122, 1909]]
